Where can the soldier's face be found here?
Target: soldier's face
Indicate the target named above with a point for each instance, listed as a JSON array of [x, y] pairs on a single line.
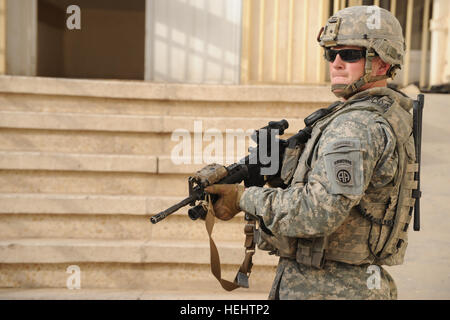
[[342, 72]]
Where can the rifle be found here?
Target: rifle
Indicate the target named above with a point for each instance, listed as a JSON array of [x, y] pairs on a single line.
[[250, 169], [247, 169]]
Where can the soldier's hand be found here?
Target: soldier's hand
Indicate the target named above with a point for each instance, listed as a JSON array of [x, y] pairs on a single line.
[[227, 206]]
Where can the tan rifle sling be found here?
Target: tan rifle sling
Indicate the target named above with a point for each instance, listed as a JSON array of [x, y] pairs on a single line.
[[241, 279]]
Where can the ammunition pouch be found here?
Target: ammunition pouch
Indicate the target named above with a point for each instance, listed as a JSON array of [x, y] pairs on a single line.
[[280, 246], [309, 252]]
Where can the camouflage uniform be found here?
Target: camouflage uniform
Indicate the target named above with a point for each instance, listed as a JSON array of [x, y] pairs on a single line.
[[335, 281], [321, 205], [356, 169]]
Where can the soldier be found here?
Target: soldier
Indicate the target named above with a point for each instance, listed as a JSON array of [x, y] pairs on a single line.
[[347, 206]]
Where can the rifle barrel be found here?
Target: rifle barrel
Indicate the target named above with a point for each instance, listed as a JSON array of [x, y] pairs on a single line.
[[164, 214]]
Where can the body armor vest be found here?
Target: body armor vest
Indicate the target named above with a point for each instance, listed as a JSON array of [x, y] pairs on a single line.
[[375, 232]]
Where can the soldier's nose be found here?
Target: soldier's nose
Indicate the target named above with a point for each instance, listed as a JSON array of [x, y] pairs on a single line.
[[338, 63]]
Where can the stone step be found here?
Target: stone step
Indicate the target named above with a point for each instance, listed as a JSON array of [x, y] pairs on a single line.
[[121, 106], [230, 138], [85, 142], [120, 227], [96, 175], [134, 123], [119, 89], [58, 161], [28, 250], [104, 217], [231, 144], [95, 183], [180, 277], [14, 203]]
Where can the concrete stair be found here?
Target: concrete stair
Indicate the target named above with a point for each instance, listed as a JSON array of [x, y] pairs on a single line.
[[42, 250], [85, 163]]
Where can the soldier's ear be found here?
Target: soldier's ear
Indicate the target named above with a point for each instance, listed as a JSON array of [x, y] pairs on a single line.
[[382, 67]]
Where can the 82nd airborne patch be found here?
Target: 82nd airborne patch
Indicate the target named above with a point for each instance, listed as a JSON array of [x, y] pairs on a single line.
[[343, 165], [343, 169]]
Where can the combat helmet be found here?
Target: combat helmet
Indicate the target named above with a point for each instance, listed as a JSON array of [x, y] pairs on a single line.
[[371, 27]]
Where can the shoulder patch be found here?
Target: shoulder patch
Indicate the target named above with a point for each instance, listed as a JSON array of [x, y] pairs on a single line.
[[344, 166], [383, 101], [344, 143]]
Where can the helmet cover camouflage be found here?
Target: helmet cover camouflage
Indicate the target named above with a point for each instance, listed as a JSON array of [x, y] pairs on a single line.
[[369, 27]]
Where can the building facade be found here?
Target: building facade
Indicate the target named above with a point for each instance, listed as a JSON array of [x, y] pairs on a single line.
[[203, 41]]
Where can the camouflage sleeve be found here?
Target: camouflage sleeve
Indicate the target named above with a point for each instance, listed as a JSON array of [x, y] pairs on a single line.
[[355, 149]]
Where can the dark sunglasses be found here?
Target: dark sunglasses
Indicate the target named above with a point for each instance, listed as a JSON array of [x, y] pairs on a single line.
[[347, 55]]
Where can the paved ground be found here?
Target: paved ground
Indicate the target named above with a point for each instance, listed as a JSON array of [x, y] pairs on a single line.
[[426, 271]]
